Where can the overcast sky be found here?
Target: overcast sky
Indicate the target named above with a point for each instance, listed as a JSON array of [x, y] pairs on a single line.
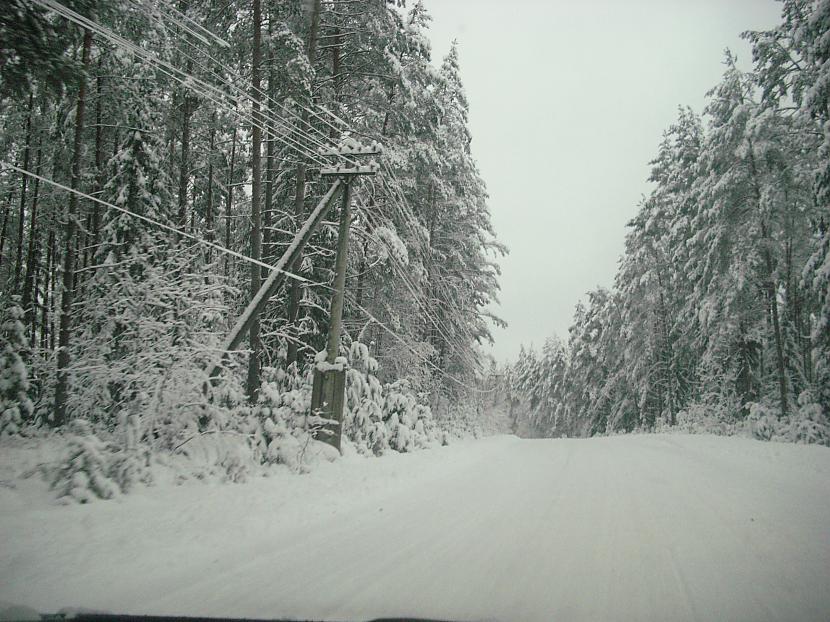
[[568, 101]]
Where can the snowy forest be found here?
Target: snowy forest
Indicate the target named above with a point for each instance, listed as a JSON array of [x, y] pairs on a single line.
[[158, 158], [163, 163], [259, 348], [719, 316]]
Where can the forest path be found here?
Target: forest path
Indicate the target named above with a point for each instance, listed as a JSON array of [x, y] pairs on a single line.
[[655, 527]]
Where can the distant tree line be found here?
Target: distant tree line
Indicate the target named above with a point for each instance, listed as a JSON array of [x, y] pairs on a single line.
[[720, 308]]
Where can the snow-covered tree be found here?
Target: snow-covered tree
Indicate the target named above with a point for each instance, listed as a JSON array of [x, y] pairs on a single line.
[[15, 405]]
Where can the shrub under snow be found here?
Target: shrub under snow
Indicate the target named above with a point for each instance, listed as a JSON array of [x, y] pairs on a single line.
[[807, 425], [96, 469], [376, 417], [84, 473], [237, 438]]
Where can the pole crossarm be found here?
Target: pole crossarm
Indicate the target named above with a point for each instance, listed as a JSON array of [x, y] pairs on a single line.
[[367, 169], [274, 281], [351, 147]]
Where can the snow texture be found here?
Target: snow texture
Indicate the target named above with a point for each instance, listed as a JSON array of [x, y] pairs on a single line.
[[653, 527]]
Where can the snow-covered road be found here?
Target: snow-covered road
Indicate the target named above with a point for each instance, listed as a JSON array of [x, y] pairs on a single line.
[[626, 528]]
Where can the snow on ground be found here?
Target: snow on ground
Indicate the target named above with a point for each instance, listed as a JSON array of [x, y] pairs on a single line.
[[654, 527]]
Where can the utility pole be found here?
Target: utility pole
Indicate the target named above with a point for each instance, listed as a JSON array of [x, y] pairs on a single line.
[[328, 390], [271, 284]]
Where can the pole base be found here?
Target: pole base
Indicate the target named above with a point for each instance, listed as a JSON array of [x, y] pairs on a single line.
[[328, 395]]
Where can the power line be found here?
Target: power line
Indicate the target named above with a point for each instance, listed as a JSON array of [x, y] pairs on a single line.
[[311, 134], [194, 83], [423, 303], [211, 34], [156, 223], [418, 354], [412, 222]]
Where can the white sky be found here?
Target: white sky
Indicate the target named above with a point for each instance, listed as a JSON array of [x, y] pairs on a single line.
[[568, 102]]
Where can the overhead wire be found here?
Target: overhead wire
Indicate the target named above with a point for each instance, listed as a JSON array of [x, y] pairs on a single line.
[[313, 134], [154, 222], [208, 91], [422, 302], [418, 354], [409, 217], [207, 31], [215, 95], [313, 138]]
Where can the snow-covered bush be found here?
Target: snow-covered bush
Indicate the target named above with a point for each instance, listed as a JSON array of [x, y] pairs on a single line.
[[226, 454], [363, 417], [147, 337], [459, 418], [409, 422], [809, 425], [15, 405], [288, 433], [706, 418], [376, 418], [764, 423], [284, 404], [130, 465], [84, 473], [95, 469]]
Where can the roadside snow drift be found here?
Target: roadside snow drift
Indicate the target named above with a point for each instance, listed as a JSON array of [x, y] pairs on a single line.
[[625, 528]]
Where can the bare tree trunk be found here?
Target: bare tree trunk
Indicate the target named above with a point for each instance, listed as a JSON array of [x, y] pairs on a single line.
[[6, 211], [771, 290], [93, 222], [65, 330], [431, 331], [209, 232], [47, 288], [666, 353], [256, 196], [35, 289], [184, 171], [776, 328], [294, 288], [229, 205], [21, 219], [361, 274], [267, 215], [31, 259], [337, 79], [299, 190], [193, 211]]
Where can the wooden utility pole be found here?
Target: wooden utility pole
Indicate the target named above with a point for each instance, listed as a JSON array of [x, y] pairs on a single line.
[[340, 262], [328, 391], [275, 279]]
